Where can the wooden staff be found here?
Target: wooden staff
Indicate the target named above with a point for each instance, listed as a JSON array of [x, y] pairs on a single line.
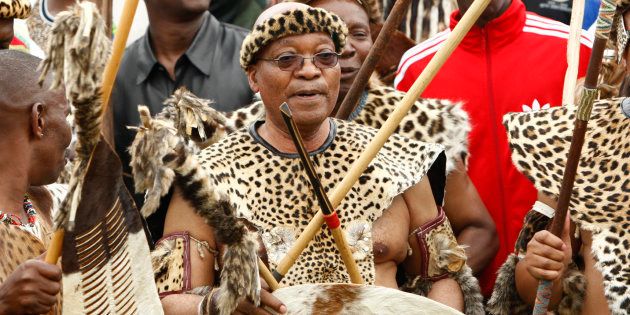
[[129, 10], [573, 53], [330, 215], [583, 114], [388, 128], [352, 97]]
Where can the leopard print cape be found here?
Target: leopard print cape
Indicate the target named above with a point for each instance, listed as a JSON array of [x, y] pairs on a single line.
[[600, 202], [429, 120], [271, 190]]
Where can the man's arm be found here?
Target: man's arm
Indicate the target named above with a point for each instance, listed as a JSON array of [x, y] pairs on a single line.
[[470, 220], [182, 217], [546, 257], [422, 209]]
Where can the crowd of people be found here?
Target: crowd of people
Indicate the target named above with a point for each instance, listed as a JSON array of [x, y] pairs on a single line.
[[439, 212]]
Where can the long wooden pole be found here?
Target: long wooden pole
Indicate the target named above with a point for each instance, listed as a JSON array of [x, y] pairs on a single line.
[[604, 23], [129, 10], [376, 51], [388, 128], [573, 53], [330, 215]]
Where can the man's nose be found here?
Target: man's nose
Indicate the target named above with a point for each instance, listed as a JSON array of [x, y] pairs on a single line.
[[348, 51], [308, 70]]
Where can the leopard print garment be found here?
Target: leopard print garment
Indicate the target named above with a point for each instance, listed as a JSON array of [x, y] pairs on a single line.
[[429, 120], [600, 202], [271, 190], [18, 245], [15, 9]]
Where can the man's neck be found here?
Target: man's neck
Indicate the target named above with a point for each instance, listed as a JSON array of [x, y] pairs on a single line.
[[56, 6], [171, 38], [13, 186], [281, 140]]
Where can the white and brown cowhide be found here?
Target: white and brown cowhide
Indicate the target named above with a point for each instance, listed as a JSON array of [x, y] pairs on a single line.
[[356, 299]]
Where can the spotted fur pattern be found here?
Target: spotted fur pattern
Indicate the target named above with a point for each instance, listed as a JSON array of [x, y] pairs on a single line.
[[600, 202], [15, 9], [272, 191], [429, 120], [293, 22], [371, 7]]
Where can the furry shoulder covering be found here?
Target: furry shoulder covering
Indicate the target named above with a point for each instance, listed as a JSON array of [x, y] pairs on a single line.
[[600, 202], [271, 190], [429, 120]]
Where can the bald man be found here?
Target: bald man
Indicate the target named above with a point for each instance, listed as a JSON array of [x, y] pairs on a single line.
[[34, 138]]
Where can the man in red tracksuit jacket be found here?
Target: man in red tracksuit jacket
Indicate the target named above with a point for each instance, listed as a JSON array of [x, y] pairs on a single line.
[[511, 60]]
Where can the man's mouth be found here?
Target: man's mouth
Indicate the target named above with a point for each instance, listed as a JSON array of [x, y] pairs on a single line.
[[307, 93]]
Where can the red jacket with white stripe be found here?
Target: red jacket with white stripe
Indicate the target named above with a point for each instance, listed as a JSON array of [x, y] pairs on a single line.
[[516, 62]]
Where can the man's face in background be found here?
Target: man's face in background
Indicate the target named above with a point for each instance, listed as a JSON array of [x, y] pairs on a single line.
[[6, 33]]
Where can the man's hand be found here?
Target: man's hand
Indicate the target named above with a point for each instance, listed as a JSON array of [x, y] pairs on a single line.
[[546, 256], [267, 301], [31, 289]]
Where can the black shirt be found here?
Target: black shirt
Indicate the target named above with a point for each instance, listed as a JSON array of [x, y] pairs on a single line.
[[209, 68]]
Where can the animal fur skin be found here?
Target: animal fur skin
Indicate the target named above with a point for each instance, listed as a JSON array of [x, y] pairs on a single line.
[[160, 157], [76, 55]]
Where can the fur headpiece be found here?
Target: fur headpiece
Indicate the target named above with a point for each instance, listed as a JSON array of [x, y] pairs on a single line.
[[293, 22], [15, 9], [371, 7]]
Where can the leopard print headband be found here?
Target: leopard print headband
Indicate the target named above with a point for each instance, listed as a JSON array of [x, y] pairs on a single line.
[[15, 9], [371, 7], [293, 22]]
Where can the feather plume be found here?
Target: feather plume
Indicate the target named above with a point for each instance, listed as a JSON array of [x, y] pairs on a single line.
[[195, 118], [162, 156], [77, 51]]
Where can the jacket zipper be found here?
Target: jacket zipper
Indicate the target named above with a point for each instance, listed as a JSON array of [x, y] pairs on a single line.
[[495, 131]]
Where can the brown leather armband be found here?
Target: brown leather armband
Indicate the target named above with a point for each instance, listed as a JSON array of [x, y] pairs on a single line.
[[171, 262], [440, 254]]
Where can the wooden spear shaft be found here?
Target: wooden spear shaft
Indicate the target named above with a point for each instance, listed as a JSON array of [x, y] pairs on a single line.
[[330, 215], [352, 97], [573, 53], [388, 128], [583, 114]]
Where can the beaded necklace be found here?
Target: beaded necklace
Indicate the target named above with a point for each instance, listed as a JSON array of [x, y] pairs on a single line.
[[31, 216]]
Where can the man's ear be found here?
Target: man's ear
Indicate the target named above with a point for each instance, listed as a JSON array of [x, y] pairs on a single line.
[[252, 80], [37, 120]]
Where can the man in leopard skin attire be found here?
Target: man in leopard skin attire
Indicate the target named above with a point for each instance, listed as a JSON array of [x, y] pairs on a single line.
[[389, 215]]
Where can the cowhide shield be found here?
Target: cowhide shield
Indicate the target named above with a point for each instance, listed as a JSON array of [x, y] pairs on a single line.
[[600, 201], [332, 298], [105, 260]]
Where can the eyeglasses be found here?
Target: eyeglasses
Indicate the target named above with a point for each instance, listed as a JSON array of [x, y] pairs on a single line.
[[322, 60]]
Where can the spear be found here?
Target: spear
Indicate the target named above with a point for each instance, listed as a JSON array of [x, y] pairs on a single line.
[[388, 128], [349, 103], [604, 24], [330, 215], [573, 52]]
